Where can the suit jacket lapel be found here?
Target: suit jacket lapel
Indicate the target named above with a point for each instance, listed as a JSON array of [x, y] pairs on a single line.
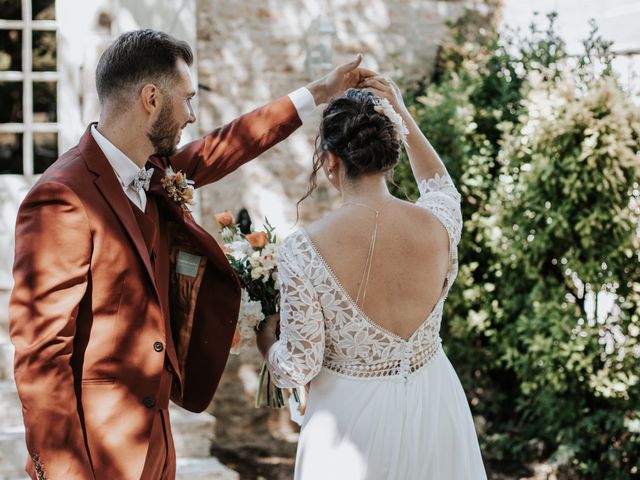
[[110, 187], [200, 238]]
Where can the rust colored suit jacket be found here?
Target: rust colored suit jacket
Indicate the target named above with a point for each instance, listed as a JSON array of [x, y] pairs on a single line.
[[86, 313]]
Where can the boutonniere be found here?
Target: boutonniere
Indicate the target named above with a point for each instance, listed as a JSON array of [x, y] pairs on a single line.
[[179, 188]]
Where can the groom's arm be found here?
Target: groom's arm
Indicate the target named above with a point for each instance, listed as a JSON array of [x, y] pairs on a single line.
[[225, 149], [51, 269]]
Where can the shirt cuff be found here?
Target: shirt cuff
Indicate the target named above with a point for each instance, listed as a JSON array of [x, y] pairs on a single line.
[[304, 103]]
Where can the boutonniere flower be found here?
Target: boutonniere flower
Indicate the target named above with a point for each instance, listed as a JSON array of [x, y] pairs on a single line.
[[179, 188]]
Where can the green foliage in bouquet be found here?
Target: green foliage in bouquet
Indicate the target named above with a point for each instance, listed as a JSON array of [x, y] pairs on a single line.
[[543, 323]]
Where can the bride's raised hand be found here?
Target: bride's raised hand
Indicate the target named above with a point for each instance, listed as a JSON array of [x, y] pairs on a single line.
[[384, 87], [424, 160]]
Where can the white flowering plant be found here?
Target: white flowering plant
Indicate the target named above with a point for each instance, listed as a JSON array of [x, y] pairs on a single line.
[[253, 256]]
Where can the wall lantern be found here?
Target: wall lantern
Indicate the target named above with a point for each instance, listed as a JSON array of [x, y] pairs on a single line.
[[319, 41]]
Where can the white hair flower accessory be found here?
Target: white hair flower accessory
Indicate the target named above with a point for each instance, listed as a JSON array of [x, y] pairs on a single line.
[[383, 106]]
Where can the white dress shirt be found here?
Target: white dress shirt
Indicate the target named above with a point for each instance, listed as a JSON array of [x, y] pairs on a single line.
[[126, 169], [304, 103]]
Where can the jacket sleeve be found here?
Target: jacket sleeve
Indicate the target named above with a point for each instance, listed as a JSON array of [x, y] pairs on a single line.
[[51, 269], [226, 148]]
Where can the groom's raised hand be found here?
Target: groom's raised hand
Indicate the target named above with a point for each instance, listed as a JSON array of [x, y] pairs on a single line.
[[338, 80]]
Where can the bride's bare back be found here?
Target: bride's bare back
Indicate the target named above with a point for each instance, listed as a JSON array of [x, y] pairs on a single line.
[[409, 264]]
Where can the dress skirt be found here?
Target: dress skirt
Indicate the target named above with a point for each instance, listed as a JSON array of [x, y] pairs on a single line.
[[389, 428]]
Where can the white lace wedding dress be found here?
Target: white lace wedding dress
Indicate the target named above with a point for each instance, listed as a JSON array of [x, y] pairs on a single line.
[[380, 407]]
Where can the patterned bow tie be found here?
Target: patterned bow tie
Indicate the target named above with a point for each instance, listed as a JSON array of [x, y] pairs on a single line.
[[143, 180]]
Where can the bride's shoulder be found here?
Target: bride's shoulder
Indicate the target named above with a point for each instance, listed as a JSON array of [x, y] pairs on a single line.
[[411, 214], [329, 222]]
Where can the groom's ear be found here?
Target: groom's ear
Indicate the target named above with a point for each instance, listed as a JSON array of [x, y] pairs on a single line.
[[149, 96]]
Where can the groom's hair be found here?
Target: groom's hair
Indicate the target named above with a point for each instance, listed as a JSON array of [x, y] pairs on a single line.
[[137, 58]]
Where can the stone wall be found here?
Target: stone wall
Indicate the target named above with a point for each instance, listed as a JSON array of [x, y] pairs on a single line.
[[251, 52]]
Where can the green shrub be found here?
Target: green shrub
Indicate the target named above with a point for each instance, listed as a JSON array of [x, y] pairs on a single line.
[[568, 216], [543, 324]]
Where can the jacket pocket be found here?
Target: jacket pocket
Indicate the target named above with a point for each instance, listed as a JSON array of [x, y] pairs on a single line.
[[99, 381]]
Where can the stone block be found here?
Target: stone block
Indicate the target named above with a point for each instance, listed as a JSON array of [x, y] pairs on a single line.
[[192, 432], [204, 469], [10, 406], [13, 453]]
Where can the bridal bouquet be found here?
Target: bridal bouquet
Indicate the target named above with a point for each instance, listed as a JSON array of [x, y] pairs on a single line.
[[253, 257]]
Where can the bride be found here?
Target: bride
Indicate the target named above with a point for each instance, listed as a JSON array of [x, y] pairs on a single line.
[[362, 293]]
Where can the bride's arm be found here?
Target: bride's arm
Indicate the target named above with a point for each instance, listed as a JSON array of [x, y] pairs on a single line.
[[296, 357], [437, 191], [424, 160]]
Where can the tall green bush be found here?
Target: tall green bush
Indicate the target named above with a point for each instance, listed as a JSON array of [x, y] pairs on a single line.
[[567, 207], [543, 324]]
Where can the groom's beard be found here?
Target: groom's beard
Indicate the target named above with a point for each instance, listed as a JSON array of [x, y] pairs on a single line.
[[164, 133]]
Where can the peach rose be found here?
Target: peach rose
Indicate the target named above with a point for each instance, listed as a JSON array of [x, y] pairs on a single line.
[[257, 239], [225, 218]]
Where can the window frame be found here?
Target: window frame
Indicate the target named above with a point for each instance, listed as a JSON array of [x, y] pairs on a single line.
[[27, 76]]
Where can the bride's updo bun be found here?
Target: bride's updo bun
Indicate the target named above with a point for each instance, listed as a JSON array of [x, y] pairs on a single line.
[[366, 140]]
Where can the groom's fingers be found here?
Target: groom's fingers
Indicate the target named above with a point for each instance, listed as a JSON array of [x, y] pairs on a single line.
[[353, 64]]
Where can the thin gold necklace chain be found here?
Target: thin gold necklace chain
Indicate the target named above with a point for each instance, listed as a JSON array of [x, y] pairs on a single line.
[[364, 280]]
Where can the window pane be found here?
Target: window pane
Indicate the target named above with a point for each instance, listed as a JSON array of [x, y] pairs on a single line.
[[44, 102], [11, 101], [11, 50], [45, 151], [44, 51], [10, 9], [43, 9], [11, 153]]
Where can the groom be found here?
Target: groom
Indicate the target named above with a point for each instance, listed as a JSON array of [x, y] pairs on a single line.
[[121, 300]]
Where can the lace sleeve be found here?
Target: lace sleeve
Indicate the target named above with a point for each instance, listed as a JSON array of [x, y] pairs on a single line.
[[438, 194], [297, 356]]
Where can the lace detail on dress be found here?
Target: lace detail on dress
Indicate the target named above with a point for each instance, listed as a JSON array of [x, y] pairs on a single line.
[[321, 325], [439, 195], [399, 367], [297, 356]]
